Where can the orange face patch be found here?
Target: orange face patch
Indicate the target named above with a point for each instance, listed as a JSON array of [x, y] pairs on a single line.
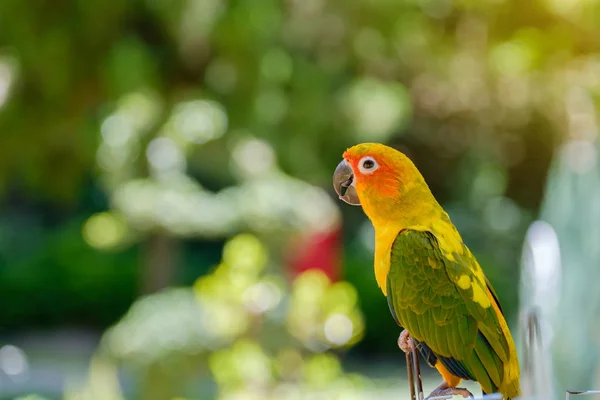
[[381, 182]]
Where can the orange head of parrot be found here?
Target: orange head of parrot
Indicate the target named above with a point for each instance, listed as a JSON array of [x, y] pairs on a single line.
[[382, 180]]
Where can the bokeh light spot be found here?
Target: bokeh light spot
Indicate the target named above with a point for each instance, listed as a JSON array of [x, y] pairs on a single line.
[[7, 77], [276, 66], [116, 130], [164, 155], [245, 253], [140, 108], [13, 360], [262, 297], [376, 109], [104, 230], [200, 121], [512, 58], [338, 329], [253, 157]]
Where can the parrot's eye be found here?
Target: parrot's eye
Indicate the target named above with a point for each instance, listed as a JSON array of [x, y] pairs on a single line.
[[367, 165]]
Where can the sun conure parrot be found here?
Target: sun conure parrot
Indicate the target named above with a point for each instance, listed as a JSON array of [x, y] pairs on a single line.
[[434, 286]]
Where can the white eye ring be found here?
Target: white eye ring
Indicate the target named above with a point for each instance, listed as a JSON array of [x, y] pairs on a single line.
[[367, 165]]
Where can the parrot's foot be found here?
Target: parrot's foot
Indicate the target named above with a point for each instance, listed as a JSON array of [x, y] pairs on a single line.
[[443, 390], [404, 342]]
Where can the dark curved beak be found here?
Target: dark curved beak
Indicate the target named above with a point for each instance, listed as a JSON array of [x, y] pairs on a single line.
[[343, 183]]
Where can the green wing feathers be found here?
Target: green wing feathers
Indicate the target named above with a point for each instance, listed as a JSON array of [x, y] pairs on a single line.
[[449, 307]]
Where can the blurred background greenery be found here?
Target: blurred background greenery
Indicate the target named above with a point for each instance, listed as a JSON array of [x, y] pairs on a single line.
[[167, 223]]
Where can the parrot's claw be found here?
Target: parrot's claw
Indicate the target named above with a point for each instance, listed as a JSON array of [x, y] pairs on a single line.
[[444, 391], [404, 342]]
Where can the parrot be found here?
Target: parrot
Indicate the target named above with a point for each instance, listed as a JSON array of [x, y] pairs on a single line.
[[435, 288]]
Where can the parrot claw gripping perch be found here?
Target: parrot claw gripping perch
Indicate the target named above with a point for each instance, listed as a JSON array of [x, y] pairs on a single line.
[[412, 365], [443, 391], [404, 342]]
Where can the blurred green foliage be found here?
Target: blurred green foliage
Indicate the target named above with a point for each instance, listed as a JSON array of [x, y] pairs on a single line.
[[135, 137], [240, 327]]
